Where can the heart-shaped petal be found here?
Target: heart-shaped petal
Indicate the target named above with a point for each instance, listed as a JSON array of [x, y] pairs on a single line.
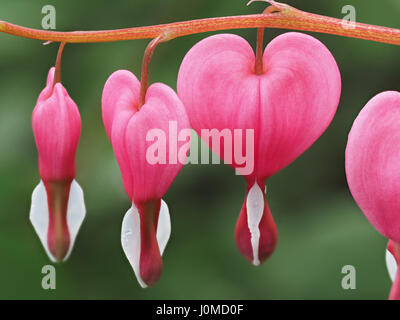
[[146, 142], [288, 106], [373, 163], [152, 144]]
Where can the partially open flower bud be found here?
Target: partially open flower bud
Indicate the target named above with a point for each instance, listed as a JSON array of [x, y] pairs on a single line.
[[57, 208]]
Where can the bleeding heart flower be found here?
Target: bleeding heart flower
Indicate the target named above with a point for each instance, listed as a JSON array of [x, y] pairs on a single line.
[[288, 106], [57, 209], [146, 226], [373, 170]]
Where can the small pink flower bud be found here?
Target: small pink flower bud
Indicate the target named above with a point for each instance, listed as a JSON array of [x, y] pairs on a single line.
[[57, 209]]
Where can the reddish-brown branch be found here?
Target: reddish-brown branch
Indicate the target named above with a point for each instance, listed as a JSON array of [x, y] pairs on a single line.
[[285, 17]]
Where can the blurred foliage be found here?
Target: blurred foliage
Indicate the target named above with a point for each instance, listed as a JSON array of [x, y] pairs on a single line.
[[321, 228]]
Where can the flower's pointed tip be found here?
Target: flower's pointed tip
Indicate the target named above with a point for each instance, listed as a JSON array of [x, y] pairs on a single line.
[[131, 243], [39, 216]]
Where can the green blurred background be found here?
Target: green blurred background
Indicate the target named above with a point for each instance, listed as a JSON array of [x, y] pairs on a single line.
[[321, 228]]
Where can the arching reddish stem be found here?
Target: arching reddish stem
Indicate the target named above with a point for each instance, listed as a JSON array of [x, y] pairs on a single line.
[[286, 17], [144, 81], [57, 73], [259, 68]]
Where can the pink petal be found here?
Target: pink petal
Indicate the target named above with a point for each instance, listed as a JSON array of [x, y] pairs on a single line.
[[300, 93], [46, 92], [161, 112], [289, 106], [119, 103], [218, 88], [57, 126], [372, 163]]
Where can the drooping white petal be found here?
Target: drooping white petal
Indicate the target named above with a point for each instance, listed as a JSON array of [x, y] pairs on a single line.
[[130, 240], [39, 215], [163, 227], [391, 265], [255, 209], [130, 236], [76, 213]]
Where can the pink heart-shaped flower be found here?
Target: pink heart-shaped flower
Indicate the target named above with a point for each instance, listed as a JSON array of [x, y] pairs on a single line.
[[373, 170], [288, 107], [150, 145]]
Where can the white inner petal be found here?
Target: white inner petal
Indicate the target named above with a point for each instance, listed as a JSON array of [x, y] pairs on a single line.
[[130, 236], [130, 240], [75, 214], [255, 209], [163, 227], [391, 265], [39, 215]]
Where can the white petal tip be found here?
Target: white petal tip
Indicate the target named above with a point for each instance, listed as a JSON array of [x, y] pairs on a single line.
[[131, 240], [256, 263], [39, 215], [163, 227], [391, 265], [255, 210]]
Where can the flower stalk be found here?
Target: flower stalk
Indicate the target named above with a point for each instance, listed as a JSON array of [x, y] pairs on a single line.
[[144, 79], [282, 16], [57, 73]]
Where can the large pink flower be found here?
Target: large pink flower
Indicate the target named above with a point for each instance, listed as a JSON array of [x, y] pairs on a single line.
[[57, 209], [288, 107], [150, 155], [373, 169]]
